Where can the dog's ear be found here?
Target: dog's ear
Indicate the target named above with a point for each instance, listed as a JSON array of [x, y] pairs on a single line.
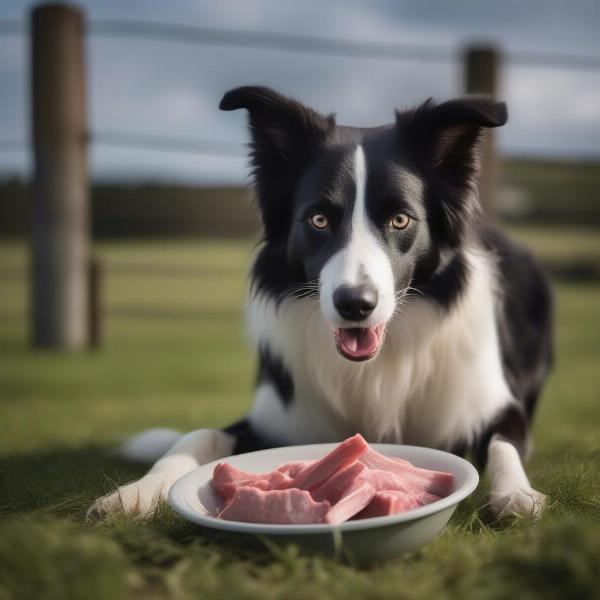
[[283, 130], [444, 140], [285, 134]]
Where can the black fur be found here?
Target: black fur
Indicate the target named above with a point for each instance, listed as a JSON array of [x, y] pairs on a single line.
[[246, 439], [271, 370], [511, 425], [285, 136], [447, 283], [525, 323]]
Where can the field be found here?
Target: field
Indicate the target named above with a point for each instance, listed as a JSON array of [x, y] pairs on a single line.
[[175, 355], [532, 191]]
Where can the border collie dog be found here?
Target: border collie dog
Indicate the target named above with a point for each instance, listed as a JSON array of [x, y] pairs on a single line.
[[381, 301]]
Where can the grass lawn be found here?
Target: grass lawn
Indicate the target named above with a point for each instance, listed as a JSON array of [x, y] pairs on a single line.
[[175, 356]]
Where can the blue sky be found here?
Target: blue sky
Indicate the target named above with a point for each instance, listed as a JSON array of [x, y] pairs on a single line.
[[173, 89]]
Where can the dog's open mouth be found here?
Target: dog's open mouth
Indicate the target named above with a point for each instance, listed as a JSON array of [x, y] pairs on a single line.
[[359, 343]]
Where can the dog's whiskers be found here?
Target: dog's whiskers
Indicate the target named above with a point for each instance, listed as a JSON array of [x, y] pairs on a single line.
[[412, 289], [309, 289]]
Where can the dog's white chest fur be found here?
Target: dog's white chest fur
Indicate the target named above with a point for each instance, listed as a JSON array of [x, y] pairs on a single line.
[[436, 381]]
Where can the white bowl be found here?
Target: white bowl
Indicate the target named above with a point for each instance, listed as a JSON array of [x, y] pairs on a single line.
[[364, 540]]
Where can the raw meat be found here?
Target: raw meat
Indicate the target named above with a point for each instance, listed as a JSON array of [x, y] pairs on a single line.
[[295, 507], [355, 500], [434, 482], [353, 481], [227, 479], [338, 485], [292, 469], [342, 456], [389, 502]]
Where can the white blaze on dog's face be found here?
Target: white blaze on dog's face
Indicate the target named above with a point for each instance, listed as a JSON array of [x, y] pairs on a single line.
[[359, 231], [357, 293]]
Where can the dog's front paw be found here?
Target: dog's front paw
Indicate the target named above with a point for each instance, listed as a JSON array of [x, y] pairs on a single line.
[[141, 497], [519, 502]]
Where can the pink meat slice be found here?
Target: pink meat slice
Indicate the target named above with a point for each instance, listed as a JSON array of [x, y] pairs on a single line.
[[227, 479], [339, 485], [352, 481], [352, 502], [339, 458], [416, 480], [293, 469], [292, 507], [390, 502], [383, 480]]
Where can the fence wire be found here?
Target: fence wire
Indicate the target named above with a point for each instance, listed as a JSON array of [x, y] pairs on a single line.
[[279, 41]]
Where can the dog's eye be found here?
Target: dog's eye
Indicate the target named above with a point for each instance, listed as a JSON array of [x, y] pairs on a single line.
[[319, 221], [400, 221]]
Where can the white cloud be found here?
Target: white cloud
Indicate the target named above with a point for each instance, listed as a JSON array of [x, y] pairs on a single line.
[[552, 111], [171, 89]]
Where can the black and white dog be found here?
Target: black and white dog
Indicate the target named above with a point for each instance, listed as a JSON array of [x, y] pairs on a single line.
[[381, 301]]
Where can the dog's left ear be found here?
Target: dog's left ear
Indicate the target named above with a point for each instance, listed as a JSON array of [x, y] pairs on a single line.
[[446, 135], [443, 141]]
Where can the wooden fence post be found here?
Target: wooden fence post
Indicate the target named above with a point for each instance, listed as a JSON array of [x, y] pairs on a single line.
[[60, 245], [96, 305], [481, 77]]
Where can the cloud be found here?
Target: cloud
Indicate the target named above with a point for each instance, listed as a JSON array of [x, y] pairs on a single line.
[[552, 112], [173, 89]]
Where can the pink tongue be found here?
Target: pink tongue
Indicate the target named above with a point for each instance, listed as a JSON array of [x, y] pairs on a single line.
[[358, 342]]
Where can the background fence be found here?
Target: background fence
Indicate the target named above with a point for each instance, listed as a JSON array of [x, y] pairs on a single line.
[[530, 191]]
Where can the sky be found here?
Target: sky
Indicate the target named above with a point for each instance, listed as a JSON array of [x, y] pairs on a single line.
[[172, 89]]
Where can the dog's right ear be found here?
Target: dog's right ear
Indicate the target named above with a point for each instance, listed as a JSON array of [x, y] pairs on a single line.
[[285, 134], [283, 130]]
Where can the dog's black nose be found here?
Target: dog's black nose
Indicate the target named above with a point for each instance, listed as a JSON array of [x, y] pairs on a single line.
[[355, 303]]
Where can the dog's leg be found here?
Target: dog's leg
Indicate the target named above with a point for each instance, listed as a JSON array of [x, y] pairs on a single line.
[[511, 493], [150, 445], [142, 496]]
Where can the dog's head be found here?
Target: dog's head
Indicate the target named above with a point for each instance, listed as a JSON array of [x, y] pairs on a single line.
[[360, 216]]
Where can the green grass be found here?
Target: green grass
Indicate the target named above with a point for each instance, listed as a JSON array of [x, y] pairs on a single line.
[[556, 192], [175, 356]]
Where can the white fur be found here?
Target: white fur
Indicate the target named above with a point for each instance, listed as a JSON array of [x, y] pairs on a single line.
[[149, 445], [437, 380], [510, 490], [362, 260], [142, 496]]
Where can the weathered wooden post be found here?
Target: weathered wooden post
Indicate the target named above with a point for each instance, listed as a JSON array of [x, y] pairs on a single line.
[[481, 77], [60, 247], [96, 305]]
